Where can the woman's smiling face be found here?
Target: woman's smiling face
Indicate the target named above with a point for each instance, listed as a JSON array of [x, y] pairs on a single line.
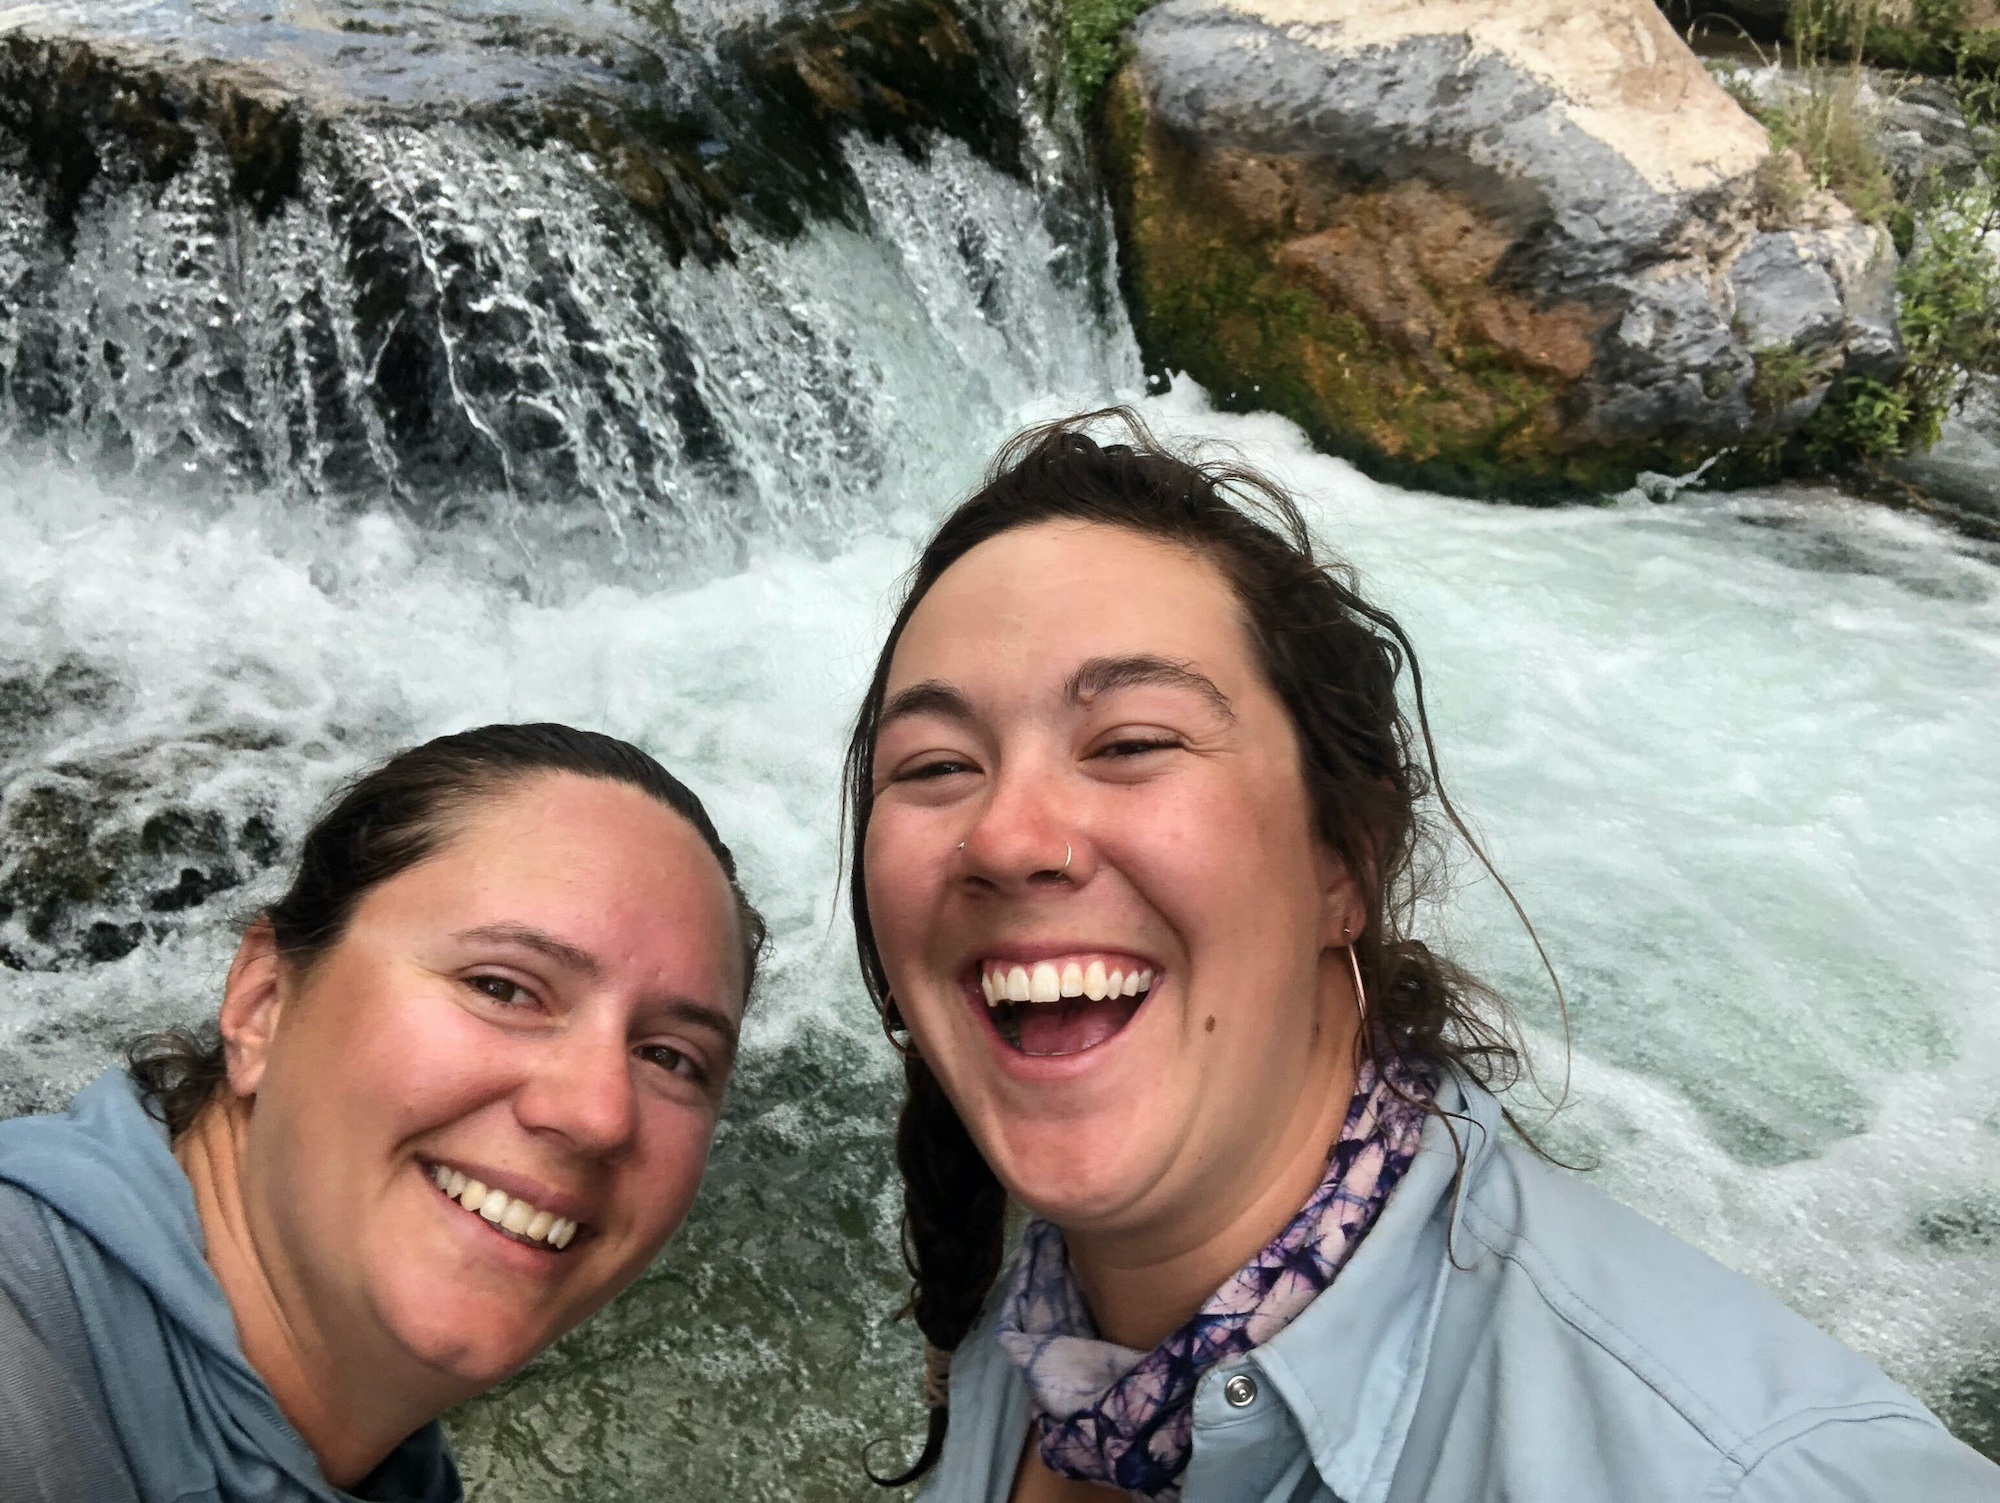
[[539, 1018], [1081, 765]]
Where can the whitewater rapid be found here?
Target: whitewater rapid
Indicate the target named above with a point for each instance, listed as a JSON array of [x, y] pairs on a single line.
[[1735, 754]]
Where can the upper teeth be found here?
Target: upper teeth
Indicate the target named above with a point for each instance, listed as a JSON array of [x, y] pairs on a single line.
[[1051, 981], [503, 1210]]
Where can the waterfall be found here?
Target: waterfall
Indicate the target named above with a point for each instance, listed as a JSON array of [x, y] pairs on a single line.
[[454, 425]]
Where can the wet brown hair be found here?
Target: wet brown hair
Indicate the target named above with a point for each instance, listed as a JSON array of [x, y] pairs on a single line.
[[383, 823], [1335, 661]]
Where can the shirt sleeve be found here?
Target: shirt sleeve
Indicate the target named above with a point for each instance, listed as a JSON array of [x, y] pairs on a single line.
[[1888, 1458], [53, 1446]]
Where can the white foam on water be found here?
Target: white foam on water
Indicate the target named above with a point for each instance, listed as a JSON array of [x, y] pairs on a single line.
[[1736, 757]]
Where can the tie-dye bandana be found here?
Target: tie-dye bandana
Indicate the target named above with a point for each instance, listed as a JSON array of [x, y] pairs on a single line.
[[1109, 1414]]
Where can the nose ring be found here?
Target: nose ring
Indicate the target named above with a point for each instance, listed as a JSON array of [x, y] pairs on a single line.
[[961, 845], [1068, 851]]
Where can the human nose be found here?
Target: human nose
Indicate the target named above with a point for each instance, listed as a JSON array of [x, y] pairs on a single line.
[[1024, 834], [582, 1092]]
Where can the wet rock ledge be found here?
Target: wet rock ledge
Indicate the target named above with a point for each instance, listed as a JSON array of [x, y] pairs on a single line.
[[343, 249], [1514, 249]]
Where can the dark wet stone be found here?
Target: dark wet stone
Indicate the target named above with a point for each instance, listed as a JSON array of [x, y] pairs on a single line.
[[40, 705], [102, 941], [1964, 1225], [99, 853], [1971, 1407], [398, 373]]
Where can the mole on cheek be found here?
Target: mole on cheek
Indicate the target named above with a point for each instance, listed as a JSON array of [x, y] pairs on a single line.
[[1209, 1026]]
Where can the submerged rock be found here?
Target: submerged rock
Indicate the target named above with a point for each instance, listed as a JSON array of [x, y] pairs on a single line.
[[1960, 473], [100, 853], [1516, 248]]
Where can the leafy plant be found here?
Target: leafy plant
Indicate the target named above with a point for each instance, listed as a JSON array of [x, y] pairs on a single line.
[[1781, 376], [1824, 133], [1949, 315], [1092, 34]]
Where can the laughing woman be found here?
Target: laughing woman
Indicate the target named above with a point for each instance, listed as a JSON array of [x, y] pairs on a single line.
[[1138, 822], [467, 1072]]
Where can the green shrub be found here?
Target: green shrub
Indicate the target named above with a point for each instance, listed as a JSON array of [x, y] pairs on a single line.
[[1823, 135], [1093, 42], [1949, 315]]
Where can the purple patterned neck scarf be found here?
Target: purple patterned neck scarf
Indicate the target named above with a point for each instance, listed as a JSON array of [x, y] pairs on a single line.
[[1109, 1414]]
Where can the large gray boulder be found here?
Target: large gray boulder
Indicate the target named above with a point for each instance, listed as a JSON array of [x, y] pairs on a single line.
[[1498, 245]]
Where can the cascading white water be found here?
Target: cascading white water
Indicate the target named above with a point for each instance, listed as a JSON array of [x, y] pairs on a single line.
[[1735, 755]]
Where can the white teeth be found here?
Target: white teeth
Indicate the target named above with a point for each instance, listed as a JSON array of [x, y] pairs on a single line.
[[1050, 981], [504, 1210]]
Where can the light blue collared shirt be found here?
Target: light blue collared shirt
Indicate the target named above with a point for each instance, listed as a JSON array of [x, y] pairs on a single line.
[[1559, 1349]]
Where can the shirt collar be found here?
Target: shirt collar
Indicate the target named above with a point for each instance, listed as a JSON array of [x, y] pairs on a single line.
[[1351, 1366]]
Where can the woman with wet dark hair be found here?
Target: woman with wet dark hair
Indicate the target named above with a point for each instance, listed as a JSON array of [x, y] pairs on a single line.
[[460, 1092], [1140, 828]]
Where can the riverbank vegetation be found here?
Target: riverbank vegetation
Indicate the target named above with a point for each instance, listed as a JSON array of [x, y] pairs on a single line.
[[1826, 115]]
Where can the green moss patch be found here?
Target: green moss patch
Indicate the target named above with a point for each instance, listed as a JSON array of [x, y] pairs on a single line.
[[1407, 383]]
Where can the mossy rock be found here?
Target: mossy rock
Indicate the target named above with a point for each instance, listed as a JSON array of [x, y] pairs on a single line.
[[747, 124], [1377, 316]]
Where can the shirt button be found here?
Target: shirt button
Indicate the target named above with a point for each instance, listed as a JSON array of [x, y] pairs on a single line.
[[1240, 1391]]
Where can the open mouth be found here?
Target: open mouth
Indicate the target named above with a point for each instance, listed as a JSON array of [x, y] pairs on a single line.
[[1065, 1005], [508, 1215]]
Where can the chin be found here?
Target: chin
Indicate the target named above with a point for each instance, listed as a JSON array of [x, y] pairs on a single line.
[[1078, 1185], [471, 1340]]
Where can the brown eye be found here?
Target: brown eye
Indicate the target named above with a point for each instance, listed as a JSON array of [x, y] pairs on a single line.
[[499, 988], [1136, 746], [942, 767], [673, 1061]]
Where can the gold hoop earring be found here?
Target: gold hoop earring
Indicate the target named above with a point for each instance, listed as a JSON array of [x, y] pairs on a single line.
[[1360, 991]]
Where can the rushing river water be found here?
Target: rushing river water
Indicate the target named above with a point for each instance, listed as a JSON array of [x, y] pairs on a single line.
[[1736, 754]]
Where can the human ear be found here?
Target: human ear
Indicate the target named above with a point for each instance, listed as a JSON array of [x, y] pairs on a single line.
[[253, 999], [1343, 914]]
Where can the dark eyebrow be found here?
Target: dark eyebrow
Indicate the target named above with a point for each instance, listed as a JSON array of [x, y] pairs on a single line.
[[681, 1009], [931, 697], [687, 1010], [560, 951], [1101, 675]]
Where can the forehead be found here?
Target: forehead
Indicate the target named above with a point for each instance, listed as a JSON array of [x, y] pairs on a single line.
[[601, 863], [1034, 602]]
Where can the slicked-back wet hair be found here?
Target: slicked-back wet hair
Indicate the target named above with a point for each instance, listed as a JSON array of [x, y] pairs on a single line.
[[388, 820], [1370, 772]]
